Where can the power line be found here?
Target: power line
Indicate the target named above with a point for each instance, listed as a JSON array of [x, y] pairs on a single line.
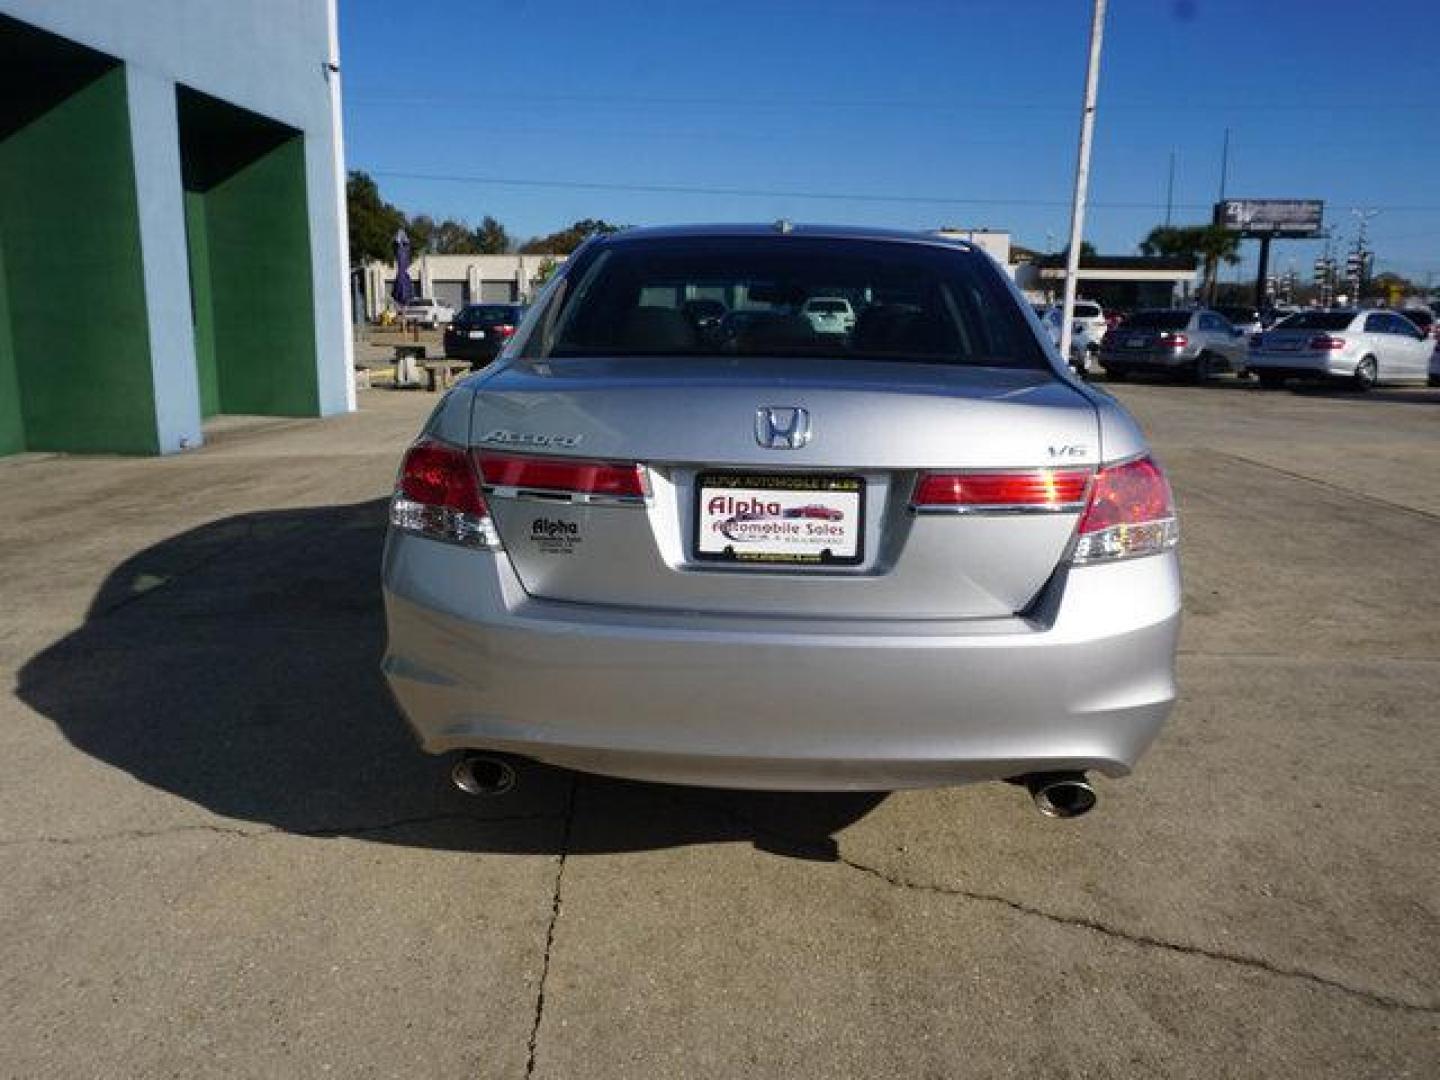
[[768, 193], [464, 100]]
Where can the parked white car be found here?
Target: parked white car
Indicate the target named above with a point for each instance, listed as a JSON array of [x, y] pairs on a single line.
[[1363, 348], [1086, 330], [829, 314], [1086, 311], [427, 312]]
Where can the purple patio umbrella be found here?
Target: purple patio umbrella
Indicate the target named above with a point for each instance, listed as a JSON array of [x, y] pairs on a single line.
[[401, 290]]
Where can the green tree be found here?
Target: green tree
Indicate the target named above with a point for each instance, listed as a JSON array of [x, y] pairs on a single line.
[[1209, 243], [491, 237], [567, 240], [451, 237], [373, 221], [421, 228]]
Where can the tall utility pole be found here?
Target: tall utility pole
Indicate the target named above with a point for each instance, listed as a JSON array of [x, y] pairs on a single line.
[[1358, 259], [1170, 190], [1224, 165], [1082, 177]]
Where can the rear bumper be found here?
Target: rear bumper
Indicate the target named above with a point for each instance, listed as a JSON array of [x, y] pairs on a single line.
[[1303, 365], [1146, 360], [464, 349], [776, 703]]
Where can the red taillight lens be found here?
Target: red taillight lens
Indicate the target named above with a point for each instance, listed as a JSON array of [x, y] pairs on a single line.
[[1326, 343], [437, 474], [562, 475], [438, 495], [1044, 489], [1131, 512], [1177, 341], [504, 330]]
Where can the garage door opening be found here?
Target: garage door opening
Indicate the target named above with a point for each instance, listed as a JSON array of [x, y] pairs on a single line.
[[248, 233], [74, 341]]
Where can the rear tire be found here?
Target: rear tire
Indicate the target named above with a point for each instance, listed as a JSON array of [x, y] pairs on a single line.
[[1432, 380], [1116, 374], [1367, 374], [1272, 382], [1202, 368]]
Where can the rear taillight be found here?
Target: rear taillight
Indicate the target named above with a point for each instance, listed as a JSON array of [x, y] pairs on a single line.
[[1326, 343], [1021, 491], [1174, 341], [504, 330], [591, 481], [1130, 513], [438, 495]]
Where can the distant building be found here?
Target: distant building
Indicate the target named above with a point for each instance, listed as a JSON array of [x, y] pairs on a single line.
[[456, 280], [1112, 281], [172, 239]]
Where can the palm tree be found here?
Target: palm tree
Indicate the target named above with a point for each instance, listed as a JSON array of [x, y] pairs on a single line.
[[1209, 243]]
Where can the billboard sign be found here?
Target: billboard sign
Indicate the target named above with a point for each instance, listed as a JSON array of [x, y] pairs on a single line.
[[1294, 218]]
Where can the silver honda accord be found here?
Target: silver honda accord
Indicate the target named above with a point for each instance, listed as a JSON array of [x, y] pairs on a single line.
[[728, 550]]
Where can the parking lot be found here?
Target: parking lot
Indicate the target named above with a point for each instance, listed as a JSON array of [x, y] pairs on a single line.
[[222, 854]]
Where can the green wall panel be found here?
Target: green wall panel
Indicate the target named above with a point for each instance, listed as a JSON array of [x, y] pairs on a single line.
[[197, 240], [261, 299], [12, 427], [79, 339]]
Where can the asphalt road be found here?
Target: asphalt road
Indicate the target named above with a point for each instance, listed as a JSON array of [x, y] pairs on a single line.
[[220, 853]]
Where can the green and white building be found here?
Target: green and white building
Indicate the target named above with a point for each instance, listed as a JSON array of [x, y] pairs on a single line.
[[172, 220]]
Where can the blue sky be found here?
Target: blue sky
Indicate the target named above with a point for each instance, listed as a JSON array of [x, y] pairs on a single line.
[[930, 111]]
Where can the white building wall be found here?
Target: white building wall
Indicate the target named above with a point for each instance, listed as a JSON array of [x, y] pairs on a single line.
[[273, 57]]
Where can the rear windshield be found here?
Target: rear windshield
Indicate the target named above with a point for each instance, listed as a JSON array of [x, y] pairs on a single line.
[[492, 313], [1087, 311], [827, 306], [912, 302], [1158, 320], [1237, 314], [1317, 320]]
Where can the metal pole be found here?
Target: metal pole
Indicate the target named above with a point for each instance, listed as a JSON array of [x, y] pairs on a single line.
[[1262, 272], [1082, 177], [1170, 190], [1224, 164]]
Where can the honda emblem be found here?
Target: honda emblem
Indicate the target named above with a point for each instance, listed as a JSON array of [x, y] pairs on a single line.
[[779, 427]]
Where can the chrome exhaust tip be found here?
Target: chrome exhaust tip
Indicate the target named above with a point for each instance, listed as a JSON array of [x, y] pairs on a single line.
[[483, 774], [1061, 794]]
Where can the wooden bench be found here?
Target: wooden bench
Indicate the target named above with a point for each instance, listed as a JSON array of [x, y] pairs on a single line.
[[443, 373]]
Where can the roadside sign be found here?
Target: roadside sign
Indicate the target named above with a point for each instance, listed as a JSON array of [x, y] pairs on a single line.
[[1292, 218]]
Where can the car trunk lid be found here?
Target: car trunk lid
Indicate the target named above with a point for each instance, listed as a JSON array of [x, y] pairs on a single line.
[[696, 428]]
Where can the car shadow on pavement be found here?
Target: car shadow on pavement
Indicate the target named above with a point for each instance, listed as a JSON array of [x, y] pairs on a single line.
[[237, 666]]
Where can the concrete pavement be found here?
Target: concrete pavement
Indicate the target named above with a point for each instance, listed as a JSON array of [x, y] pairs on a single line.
[[220, 853]]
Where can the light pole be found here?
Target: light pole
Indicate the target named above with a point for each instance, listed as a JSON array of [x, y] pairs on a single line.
[[1361, 255], [1082, 177]]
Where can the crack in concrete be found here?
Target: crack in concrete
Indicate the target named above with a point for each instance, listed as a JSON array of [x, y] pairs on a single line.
[[830, 851], [1373, 997], [555, 902], [329, 832], [1339, 489]]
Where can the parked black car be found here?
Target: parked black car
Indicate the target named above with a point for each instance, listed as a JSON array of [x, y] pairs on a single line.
[[479, 331]]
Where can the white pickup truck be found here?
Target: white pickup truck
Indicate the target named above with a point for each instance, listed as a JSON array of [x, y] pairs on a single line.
[[427, 312]]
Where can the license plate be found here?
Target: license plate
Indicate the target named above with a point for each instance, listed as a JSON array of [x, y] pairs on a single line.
[[477, 334], [763, 518], [1135, 343]]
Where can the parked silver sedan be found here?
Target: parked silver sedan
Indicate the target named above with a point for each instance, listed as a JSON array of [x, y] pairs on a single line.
[[1193, 345], [919, 554], [1360, 348]]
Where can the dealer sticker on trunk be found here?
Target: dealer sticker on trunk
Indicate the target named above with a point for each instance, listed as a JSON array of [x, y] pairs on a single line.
[[780, 519]]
